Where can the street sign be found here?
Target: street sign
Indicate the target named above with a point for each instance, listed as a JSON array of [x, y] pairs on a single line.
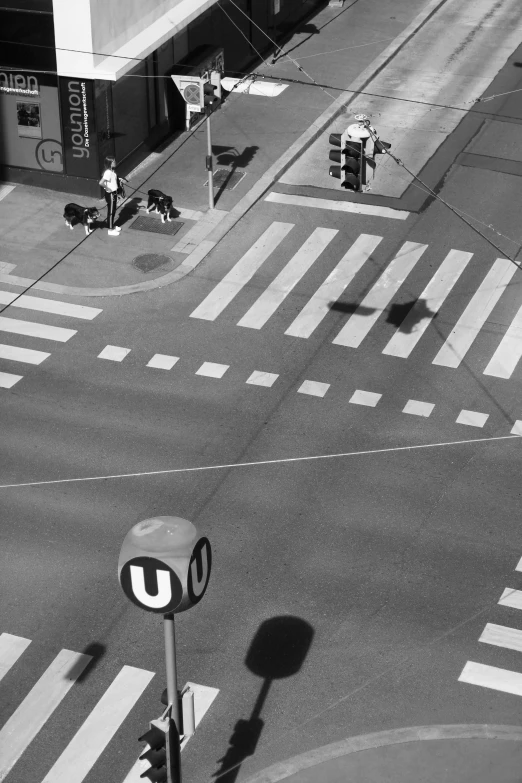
[[151, 584], [164, 566], [199, 570]]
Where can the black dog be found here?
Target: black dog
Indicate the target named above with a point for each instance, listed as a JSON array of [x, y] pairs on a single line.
[[161, 203], [84, 215]]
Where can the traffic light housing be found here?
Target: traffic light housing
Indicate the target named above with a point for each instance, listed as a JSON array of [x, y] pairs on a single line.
[[208, 95], [348, 155], [163, 753]]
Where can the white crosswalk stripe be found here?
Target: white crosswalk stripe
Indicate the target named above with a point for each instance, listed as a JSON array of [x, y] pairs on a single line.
[[379, 297], [34, 329], [98, 729], [329, 292], [93, 736], [242, 272], [286, 280], [38, 706], [482, 296]]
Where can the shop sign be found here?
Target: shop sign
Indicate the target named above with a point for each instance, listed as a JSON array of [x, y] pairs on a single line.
[[79, 134], [19, 83]]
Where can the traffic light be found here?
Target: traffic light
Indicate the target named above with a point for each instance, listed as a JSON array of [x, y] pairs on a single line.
[[163, 753], [208, 95], [349, 157]]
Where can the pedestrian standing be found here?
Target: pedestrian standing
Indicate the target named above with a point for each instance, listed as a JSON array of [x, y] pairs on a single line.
[[110, 183]]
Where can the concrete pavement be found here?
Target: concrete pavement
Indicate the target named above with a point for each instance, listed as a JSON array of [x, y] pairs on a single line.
[[427, 754], [260, 136]]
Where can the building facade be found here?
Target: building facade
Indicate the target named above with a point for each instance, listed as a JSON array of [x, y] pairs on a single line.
[[75, 77]]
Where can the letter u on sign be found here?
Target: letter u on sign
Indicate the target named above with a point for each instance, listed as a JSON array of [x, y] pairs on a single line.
[[151, 584], [199, 570], [164, 595]]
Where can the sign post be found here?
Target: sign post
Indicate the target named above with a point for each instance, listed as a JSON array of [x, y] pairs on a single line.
[[164, 567]]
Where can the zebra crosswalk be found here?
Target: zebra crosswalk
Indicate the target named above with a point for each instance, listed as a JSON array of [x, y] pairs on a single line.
[[80, 755], [483, 292], [35, 329]]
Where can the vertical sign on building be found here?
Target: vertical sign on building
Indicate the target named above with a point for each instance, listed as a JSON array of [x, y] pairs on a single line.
[[78, 126]]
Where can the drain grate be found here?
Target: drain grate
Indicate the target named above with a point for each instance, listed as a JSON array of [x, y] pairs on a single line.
[[151, 261], [143, 223], [227, 178]]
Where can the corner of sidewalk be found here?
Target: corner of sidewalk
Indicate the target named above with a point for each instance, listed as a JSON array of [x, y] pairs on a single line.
[[93, 254], [458, 753]]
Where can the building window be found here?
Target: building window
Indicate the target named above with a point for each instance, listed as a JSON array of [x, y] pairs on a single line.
[[29, 120]]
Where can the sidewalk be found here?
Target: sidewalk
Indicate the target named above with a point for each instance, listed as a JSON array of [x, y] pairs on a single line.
[[261, 137], [424, 754]]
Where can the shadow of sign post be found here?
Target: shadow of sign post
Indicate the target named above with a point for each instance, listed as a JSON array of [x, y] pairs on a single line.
[[277, 651]]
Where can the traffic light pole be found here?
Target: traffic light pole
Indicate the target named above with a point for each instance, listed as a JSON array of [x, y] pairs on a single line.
[[209, 165], [170, 659]]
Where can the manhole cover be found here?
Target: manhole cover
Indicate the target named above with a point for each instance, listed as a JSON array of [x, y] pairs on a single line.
[[227, 178], [150, 261], [143, 223]]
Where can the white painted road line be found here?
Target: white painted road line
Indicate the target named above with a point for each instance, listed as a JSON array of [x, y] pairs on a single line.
[[360, 397], [427, 305], [517, 427], [502, 636], [39, 704], [114, 353], [8, 380], [242, 272], [418, 408], [162, 361], [94, 735], [519, 565], [49, 306], [492, 677], [259, 378], [472, 418], [203, 698], [476, 313], [31, 329], [338, 206], [11, 648], [314, 388], [508, 353], [27, 355], [287, 279], [212, 369], [511, 598], [359, 324], [5, 190], [329, 292]]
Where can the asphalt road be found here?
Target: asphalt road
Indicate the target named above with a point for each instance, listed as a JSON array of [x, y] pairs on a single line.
[[389, 535]]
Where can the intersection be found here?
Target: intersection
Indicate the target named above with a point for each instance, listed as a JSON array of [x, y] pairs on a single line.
[[332, 396]]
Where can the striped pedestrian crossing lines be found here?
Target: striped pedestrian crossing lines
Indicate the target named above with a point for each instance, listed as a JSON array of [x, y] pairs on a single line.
[[509, 638], [76, 760], [11, 325], [416, 322]]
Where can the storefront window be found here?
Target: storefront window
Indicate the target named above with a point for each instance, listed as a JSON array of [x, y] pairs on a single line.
[[29, 120]]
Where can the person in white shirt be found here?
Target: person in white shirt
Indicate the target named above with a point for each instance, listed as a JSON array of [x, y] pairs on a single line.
[[109, 182]]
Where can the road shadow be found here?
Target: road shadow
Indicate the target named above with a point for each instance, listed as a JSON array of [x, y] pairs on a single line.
[[277, 651], [78, 674], [406, 316], [350, 307], [230, 156]]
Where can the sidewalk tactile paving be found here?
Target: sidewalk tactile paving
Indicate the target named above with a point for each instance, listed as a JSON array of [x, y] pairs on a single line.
[[144, 223]]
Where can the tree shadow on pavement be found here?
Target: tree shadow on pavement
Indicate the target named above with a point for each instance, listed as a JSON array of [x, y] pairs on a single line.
[[230, 156], [129, 210], [278, 650]]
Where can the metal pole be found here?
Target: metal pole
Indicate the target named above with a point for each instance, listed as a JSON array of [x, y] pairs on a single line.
[[362, 167], [170, 659], [209, 165]]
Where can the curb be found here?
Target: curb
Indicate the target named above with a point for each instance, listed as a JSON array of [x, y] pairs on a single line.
[[207, 223], [381, 739]]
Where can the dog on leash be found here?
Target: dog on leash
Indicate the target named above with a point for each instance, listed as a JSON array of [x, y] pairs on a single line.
[[84, 215], [160, 203]]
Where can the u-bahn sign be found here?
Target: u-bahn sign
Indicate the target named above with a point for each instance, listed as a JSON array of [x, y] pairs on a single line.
[[164, 566]]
